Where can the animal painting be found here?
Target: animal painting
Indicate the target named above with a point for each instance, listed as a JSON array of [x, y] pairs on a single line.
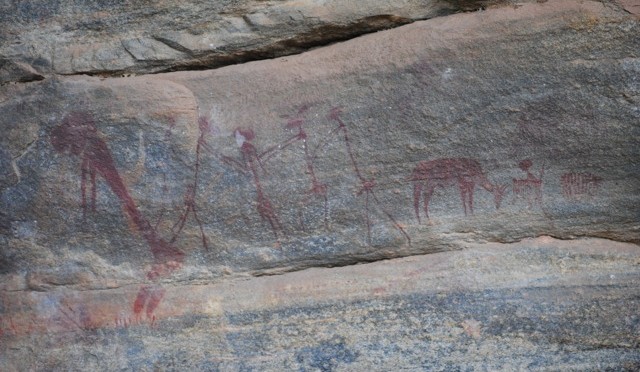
[[450, 172]]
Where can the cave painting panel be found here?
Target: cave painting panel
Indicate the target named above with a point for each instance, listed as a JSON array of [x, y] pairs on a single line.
[[77, 135]]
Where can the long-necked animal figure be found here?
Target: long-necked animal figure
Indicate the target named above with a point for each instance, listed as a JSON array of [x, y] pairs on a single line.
[[463, 172]]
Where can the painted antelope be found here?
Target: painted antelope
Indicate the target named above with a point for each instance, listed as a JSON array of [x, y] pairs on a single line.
[[463, 172]]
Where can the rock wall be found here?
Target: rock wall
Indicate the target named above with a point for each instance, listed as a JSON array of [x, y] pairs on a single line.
[[111, 38], [197, 219]]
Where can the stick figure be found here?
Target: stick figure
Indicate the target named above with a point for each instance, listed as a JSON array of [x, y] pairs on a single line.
[[251, 160], [366, 185], [78, 135], [317, 189], [190, 193], [529, 188]]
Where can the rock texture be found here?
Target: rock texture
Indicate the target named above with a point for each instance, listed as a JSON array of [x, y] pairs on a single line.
[[333, 156], [541, 304], [139, 213], [113, 38]]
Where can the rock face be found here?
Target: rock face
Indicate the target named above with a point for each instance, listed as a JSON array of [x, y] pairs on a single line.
[[132, 208], [540, 304], [114, 38]]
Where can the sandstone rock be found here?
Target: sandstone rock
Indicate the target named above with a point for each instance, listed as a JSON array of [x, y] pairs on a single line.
[[130, 204], [109, 38], [330, 157], [537, 305]]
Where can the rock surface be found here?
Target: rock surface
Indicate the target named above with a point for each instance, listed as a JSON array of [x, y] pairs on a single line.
[[141, 213], [541, 304], [112, 38], [330, 157], [630, 6]]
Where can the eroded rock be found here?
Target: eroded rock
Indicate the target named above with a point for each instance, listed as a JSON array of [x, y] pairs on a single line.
[[112, 39], [539, 304]]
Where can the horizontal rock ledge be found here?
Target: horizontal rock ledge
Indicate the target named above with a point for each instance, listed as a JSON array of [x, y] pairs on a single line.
[[490, 126], [534, 297]]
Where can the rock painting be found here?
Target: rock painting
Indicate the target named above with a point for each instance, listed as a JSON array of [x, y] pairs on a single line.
[[317, 189], [462, 172], [189, 204], [579, 185], [529, 188], [367, 185], [77, 135], [252, 162]]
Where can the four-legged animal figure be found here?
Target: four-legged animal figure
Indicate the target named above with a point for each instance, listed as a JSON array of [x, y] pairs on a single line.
[[462, 172]]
